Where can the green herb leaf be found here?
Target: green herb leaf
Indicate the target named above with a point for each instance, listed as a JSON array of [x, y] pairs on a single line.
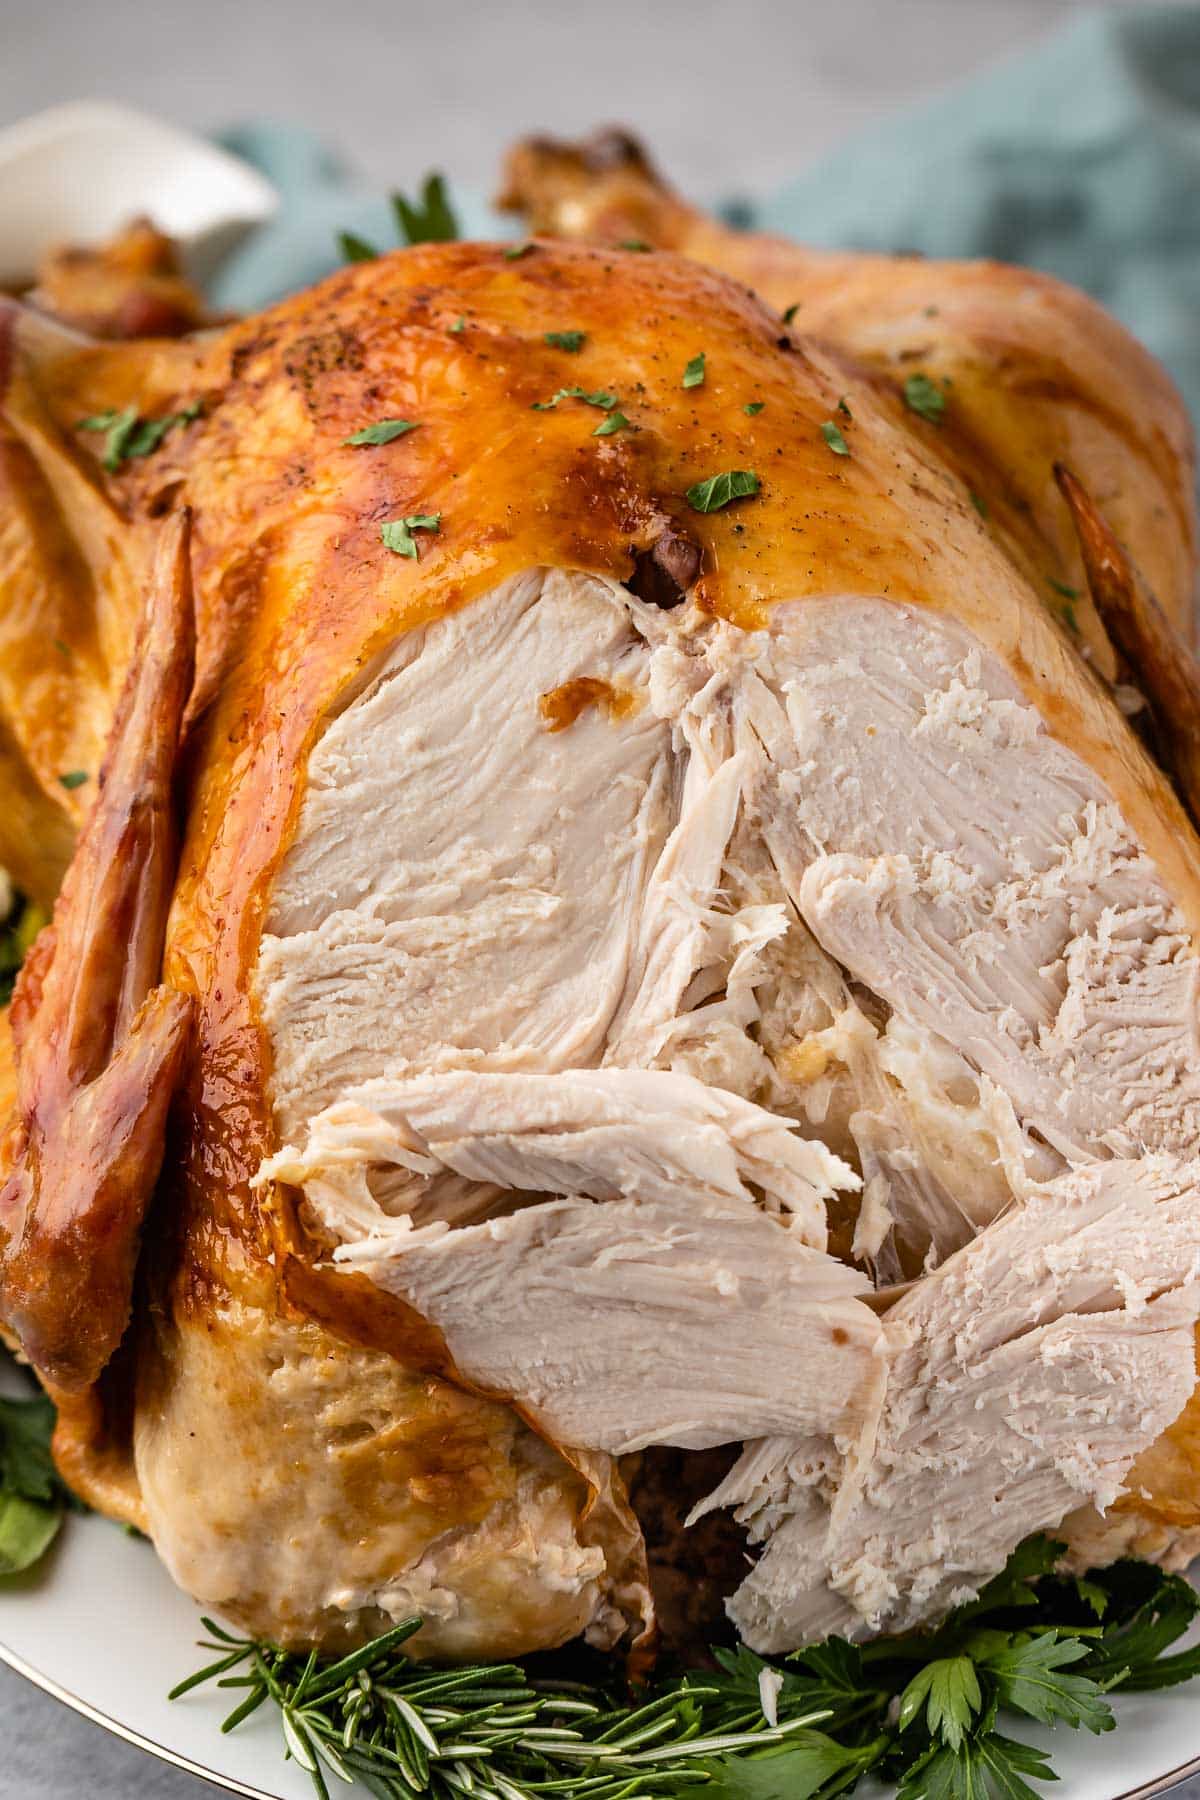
[[356, 249], [925, 398], [516, 251], [128, 435], [384, 431], [979, 503], [27, 1529], [397, 533], [718, 490], [600, 398], [429, 220], [73, 778], [791, 312], [844, 409], [834, 438], [1060, 587], [634, 244], [693, 375], [616, 421], [752, 408], [1029, 1678], [795, 1771], [566, 340], [460, 324], [948, 1691]]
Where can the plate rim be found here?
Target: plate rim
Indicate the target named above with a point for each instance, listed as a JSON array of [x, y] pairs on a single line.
[[1147, 1790], [228, 1784]]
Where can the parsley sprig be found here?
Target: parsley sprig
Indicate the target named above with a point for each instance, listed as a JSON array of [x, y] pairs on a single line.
[[919, 1710], [33, 1496]]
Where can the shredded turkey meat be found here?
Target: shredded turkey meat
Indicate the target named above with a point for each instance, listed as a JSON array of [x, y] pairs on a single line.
[[582, 1034]]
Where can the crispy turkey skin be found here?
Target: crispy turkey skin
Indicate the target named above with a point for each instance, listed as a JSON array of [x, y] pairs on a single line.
[[647, 977]]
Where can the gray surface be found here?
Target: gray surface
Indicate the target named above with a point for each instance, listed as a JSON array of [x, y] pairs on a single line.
[[735, 97]]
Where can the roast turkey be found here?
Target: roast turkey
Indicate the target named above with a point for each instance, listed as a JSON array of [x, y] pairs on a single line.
[[632, 913]]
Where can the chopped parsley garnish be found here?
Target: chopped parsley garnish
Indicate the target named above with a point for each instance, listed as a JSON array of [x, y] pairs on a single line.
[[460, 324], [693, 375], [356, 249], [844, 409], [925, 398], [711, 495], [73, 778], [516, 251], [601, 398], [429, 220], [397, 533], [384, 431], [791, 312], [566, 340], [1060, 587], [616, 421], [752, 408], [979, 503], [127, 434], [834, 438], [634, 244]]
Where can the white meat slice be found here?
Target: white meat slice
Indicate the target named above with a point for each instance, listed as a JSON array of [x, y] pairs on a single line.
[[1024, 1377], [972, 871], [466, 884], [609, 1134], [629, 1323]]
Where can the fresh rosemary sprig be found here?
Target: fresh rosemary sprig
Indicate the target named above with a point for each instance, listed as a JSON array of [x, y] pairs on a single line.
[[919, 1710], [492, 1731]]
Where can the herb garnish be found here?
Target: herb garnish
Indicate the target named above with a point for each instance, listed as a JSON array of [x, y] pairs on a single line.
[[634, 244], [834, 438], [429, 220], [844, 409], [711, 495], [515, 251], [396, 534], [384, 431], [752, 408], [1060, 587], [791, 312], [925, 398], [920, 1710], [616, 421], [356, 249], [17, 932], [33, 1496], [127, 434], [566, 340], [600, 398], [979, 503], [460, 324], [693, 375], [73, 778]]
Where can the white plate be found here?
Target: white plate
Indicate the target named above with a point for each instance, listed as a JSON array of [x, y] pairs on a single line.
[[103, 1629], [77, 173]]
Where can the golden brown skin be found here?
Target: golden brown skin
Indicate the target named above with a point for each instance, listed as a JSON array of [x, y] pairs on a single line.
[[99, 1043], [1158, 658], [1035, 372], [294, 595]]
